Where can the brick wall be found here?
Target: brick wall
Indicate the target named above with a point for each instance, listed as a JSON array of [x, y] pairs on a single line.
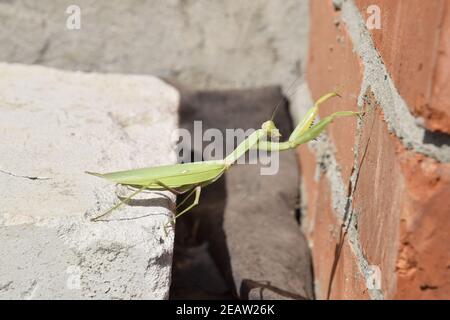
[[376, 191]]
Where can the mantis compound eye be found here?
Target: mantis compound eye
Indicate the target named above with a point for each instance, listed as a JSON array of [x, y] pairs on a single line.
[[270, 127]]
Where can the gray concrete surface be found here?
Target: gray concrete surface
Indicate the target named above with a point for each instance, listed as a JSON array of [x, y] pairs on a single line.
[[201, 43], [55, 125]]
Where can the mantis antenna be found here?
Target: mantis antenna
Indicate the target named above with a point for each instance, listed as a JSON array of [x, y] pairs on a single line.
[[274, 112]]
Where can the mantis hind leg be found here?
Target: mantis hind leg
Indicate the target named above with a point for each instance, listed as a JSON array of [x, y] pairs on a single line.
[[173, 190], [122, 202], [192, 190], [197, 190]]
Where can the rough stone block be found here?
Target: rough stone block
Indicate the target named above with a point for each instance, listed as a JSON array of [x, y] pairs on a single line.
[[54, 125], [208, 44]]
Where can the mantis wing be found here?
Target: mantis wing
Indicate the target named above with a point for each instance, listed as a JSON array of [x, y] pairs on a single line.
[[173, 176]]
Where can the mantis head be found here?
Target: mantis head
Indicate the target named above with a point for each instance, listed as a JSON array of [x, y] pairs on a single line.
[[270, 128]]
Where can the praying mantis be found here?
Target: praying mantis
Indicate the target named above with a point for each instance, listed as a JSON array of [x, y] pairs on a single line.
[[192, 177]]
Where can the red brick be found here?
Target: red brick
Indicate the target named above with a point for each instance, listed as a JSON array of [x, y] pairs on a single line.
[[322, 228], [402, 198], [403, 205], [307, 161], [348, 282], [438, 111], [423, 267], [414, 44], [333, 64], [377, 201]]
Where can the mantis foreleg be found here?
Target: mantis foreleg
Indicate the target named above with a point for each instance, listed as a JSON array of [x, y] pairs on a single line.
[[308, 135], [310, 115]]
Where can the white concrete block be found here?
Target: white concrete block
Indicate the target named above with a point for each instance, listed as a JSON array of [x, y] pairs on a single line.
[[54, 125]]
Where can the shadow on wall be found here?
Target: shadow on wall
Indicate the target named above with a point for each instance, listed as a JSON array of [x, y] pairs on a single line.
[[247, 291]]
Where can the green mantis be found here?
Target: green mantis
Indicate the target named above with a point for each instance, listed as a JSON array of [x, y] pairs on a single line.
[[192, 177]]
